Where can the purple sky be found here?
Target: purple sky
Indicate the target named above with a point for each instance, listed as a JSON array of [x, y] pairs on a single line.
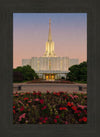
[[30, 33]]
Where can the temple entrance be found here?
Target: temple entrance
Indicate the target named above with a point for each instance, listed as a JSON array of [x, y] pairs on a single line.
[[50, 76]]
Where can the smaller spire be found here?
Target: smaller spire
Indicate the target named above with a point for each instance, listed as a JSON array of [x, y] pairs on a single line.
[[49, 36]]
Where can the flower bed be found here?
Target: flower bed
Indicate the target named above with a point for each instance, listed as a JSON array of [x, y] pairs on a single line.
[[49, 108]]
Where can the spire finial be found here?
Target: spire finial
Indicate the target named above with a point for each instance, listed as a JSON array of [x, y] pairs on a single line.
[[49, 36]]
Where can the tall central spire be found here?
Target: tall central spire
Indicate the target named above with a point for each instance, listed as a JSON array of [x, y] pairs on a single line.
[[49, 50], [49, 36]]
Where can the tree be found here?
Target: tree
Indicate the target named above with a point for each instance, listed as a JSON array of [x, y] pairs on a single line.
[[17, 76], [27, 72], [78, 72]]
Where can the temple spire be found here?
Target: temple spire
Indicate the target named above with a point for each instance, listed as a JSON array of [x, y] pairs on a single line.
[[49, 36], [49, 50]]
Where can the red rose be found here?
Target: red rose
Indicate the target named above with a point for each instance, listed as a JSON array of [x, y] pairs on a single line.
[[62, 108], [45, 118], [43, 108], [69, 104], [44, 121], [26, 98], [74, 108], [57, 116], [48, 92], [80, 120], [22, 108], [41, 101], [14, 111], [72, 104], [54, 93], [34, 93], [40, 118], [37, 99], [13, 106], [84, 119], [58, 94], [66, 122], [55, 120]]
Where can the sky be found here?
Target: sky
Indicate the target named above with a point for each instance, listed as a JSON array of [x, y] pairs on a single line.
[[30, 33]]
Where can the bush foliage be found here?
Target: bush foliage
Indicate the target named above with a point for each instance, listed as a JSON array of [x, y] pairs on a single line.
[[78, 72], [24, 73]]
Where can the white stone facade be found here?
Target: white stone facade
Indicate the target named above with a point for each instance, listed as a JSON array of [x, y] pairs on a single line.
[[50, 65]]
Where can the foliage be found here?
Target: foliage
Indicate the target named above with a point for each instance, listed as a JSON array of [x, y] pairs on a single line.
[[26, 71], [49, 108], [62, 77], [78, 72]]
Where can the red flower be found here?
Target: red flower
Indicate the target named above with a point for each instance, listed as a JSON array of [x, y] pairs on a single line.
[[43, 107], [80, 120], [84, 119], [57, 116], [75, 96], [29, 101], [45, 118], [38, 93], [40, 118], [69, 104], [26, 98], [77, 111], [71, 96], [22, 116], [85, 111], [58, 94], [54, 93], [55, 120], [34, 93], [66, 122], [37, 99], [81, 106], [72, 104], [41, 101], [13, 106], [48, 92], [14, 111], [62, 108], [44, 121], [22, 108], [16, 95], [74, 108]]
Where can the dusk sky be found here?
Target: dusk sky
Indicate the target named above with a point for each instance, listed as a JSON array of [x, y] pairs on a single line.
[[30, 33]]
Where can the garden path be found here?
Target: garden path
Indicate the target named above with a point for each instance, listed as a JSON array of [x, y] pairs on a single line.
[[52, 87]]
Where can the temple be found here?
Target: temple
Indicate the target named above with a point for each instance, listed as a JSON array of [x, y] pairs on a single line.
[[50, 66]]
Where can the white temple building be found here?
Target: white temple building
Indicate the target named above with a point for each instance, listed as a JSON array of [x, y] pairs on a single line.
[[49, 66]]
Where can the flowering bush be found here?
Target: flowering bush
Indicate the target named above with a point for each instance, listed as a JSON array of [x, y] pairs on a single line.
[[49, 108]]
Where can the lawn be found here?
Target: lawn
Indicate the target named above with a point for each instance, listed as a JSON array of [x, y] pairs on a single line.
[[49, 108]]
